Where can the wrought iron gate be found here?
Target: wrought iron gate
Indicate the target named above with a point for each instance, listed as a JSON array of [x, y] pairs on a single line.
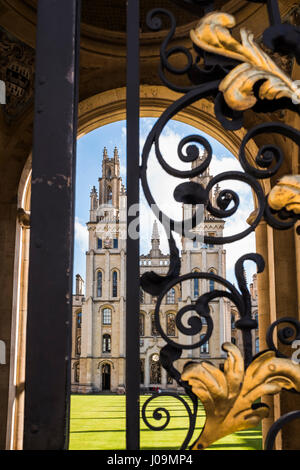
[[237, 76]]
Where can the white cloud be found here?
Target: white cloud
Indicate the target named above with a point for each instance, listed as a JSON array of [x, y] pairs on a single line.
[[162, 186], [81, 236]]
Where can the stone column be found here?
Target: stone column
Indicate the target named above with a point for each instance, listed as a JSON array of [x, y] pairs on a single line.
[[20, 351], [122, 306], [222, 337], [286, 306], [264, 305]]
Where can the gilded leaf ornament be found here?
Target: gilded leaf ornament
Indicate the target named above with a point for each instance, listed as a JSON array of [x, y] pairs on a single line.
[[286, 194], [212, 35], [229, 397]]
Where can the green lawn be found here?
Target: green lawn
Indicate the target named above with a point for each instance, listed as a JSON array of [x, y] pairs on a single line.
[[98, 422]]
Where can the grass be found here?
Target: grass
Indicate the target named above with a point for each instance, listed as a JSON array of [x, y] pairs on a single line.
[[98, 422]]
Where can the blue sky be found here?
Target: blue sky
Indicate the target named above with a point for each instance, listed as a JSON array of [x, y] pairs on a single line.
[[89, 159]]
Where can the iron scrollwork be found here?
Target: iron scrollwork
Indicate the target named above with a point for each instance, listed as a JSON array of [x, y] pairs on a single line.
[[237, 76]]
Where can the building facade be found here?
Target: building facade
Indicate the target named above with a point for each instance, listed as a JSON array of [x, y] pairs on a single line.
[[98, 347]]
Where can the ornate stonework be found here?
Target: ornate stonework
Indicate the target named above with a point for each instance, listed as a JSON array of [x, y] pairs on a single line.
[[17, 71], [103, 308]]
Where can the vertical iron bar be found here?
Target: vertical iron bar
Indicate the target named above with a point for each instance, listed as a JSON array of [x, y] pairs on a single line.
[[132, 265], [274, 12], [47, 388]]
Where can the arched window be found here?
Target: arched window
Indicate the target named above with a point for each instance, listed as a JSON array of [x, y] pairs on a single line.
[[78, 346], [106, 343], [99, 284], [155, 369], [115, 284], [233, 340], [204, 349], [76, 372], [211, 282], [142, 324], [109, 196], [154, 331], [232, 321], [171, 329], [106, 375], [106, 316], [78, 319], [196, 287], [171, 296], [256, 345]]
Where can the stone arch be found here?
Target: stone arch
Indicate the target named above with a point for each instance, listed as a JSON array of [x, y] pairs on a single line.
[[19, 308], [110, 106], [107, 107], [104, 361]]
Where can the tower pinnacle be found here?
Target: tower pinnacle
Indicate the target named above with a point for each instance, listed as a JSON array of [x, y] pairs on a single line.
[[155, 232], [116, 153], [155, 242]]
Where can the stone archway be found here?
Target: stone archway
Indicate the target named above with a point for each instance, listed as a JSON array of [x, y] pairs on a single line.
[[94, 112], [110, 106], [106, 377]]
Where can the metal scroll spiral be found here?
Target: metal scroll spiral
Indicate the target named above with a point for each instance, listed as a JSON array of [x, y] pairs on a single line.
[[204, 74], [288, 331], [173, 350]]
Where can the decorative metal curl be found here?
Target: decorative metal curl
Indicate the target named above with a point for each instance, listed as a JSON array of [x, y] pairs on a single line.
[[277, 427], [206, 73], [160, 411], [241, 300], [168, 356], [205, 67], [193, 192], [285, 335], [154, 23], [269, 157]]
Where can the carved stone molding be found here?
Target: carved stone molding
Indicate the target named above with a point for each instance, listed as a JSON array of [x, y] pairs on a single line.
[[17, 71]]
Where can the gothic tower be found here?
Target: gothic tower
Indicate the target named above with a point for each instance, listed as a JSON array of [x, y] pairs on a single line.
[[101, 361], [98, 351]]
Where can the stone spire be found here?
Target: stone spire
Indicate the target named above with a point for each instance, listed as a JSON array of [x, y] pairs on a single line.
[[116, 153], [105, 154], [155, 242], [155, 232], [94, 199]]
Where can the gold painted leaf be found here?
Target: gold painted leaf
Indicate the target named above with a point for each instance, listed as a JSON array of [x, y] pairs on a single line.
[[286, 194], [212, 35], [228, 398]]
